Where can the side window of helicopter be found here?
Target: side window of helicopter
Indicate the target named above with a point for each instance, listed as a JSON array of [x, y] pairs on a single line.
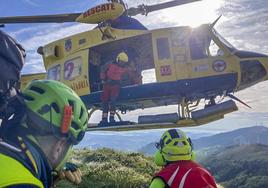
[[197, 47], [54, 73], [163, 50], [72, 68]]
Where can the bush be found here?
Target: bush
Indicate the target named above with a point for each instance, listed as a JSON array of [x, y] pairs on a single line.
[[112, 169]]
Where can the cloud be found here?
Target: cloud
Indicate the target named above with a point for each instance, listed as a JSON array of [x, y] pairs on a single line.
[[31, 2], [246, 24], [44, 36], [41, 35]]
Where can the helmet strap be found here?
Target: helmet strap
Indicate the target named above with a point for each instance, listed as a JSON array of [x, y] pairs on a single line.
[[165, 161]]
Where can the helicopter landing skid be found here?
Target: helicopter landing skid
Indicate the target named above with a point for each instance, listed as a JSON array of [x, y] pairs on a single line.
[[197, 118], [118, 123], [145, 126]]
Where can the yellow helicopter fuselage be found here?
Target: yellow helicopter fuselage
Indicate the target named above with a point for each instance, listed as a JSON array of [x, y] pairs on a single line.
[[188, 64]]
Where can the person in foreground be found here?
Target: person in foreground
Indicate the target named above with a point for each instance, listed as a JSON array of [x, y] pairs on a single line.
[[33, 153], [175, 154]]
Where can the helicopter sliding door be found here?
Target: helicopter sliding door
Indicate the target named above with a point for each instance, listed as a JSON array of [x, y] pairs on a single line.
[[164, 64]]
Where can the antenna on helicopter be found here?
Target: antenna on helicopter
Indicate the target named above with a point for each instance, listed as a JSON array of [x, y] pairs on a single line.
[[214, 23]]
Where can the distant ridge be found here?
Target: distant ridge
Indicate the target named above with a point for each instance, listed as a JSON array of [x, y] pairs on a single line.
[[243, 136]]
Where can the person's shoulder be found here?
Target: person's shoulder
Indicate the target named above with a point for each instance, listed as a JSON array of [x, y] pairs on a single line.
[[201, 177], [22, 177], [196, 167]]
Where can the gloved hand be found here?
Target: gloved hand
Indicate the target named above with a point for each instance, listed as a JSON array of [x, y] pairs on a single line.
[[71, 173]]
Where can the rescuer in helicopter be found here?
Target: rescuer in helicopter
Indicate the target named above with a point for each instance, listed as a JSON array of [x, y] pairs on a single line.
[[34, 152], [134, 75], [175, 154], [111, 76]]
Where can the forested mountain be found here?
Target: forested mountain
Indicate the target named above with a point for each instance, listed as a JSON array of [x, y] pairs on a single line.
[[244, 166]]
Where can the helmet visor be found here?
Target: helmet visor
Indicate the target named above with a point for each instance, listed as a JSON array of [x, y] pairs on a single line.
[[55, 149], [42, 127]]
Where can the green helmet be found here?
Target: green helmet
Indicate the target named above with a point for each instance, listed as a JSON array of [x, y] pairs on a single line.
[[52, 107], [174, 145]]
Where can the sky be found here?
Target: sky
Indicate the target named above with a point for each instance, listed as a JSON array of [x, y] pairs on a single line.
[[244, 23]]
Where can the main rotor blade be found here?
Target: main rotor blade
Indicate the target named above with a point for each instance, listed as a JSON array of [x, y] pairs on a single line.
[[169, 4], [145, 9], [56, 18]]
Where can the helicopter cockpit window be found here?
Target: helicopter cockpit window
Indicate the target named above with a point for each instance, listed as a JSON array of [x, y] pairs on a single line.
[[198, 46], [72, 68], [54, 73], [163, 48]]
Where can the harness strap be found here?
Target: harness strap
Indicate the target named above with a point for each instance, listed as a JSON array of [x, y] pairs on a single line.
[[18, 155], [33, 160], [28, 154]]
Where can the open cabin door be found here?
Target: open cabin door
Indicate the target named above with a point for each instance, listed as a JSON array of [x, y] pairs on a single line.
[[140, 54]]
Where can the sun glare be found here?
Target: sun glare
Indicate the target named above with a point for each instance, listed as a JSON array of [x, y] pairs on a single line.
[[194, 14]]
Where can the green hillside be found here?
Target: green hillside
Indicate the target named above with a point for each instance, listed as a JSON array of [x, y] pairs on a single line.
[[234, 167], [243, 166], [112, 169]]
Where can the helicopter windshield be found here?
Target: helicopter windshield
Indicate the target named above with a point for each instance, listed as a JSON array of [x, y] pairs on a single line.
[[224, 41], [202, 45]]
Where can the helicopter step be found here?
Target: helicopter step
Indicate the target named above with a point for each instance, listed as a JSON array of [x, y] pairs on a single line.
[[163, 121]]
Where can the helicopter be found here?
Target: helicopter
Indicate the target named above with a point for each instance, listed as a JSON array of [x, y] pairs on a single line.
[[191, 65]]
